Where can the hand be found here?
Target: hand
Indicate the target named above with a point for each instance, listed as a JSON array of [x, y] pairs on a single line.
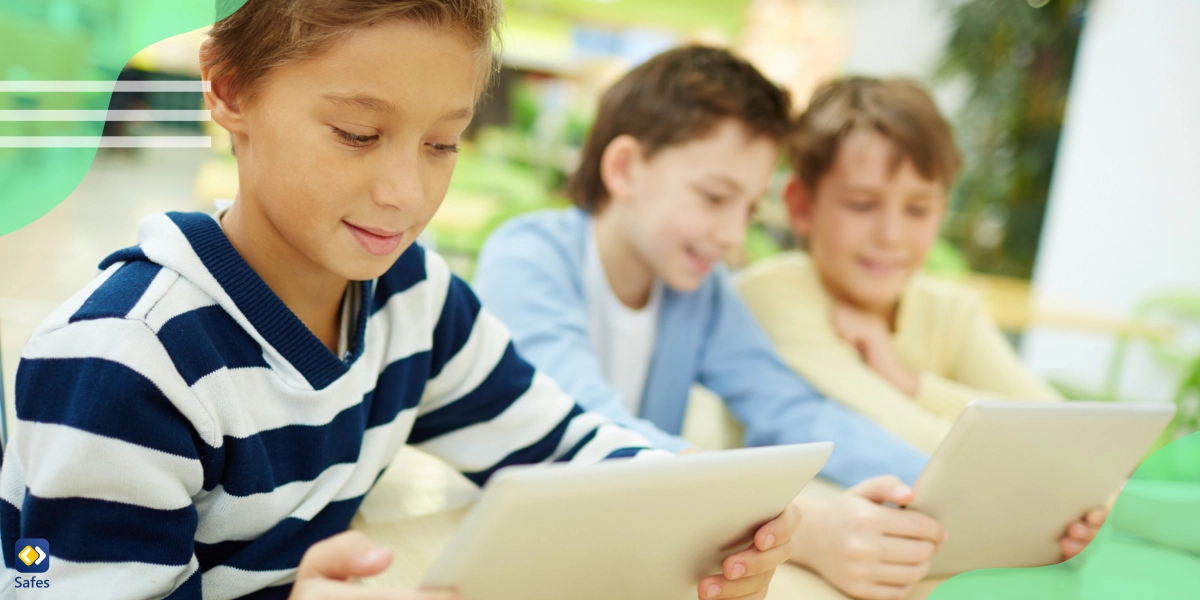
[[1081, 532], [746, 575], [326, 568], [869, 551], [871, 336]]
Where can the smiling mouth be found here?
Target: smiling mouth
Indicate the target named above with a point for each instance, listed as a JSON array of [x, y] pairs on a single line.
[[879, 267], [380, 242], [699, 262]]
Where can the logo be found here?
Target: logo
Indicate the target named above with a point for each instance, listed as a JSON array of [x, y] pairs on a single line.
[[33, 556]]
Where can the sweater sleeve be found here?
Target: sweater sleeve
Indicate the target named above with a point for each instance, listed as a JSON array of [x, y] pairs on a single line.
[[104, 461], [486, 408], [799, 327], [985, 366], [526, 281], [777, 407]]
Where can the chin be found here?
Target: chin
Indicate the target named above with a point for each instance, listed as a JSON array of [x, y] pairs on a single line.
[[684, 284]]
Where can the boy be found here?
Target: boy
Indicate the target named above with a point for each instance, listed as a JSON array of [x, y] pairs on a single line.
[[873, 161], [622, 302], [225, 393]]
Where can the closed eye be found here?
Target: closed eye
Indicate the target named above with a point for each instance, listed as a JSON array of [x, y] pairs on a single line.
[[445, 148], [355, 140]]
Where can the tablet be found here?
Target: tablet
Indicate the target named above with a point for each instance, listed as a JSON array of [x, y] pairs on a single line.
[[636, 529], [1011, 475]]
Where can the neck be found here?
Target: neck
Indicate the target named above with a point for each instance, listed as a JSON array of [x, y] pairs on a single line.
[[887, 312], [629, 276], [312, 292]]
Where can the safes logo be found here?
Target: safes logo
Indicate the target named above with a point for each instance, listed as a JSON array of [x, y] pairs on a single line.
[[33, 556]]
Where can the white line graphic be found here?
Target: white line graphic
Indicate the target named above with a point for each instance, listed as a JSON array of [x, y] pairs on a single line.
[[105, 86], [105, 115], [108, 141]]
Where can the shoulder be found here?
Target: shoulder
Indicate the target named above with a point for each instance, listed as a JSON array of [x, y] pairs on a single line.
[[132, 342], [541, 236], [786, 281], [938, 296]]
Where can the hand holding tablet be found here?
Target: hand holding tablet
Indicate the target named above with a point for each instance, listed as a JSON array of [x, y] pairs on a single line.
[[1011, 475], [654, 529]]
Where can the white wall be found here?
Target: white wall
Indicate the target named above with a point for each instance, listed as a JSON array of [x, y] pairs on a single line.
[[1124, 212], [902, 38]]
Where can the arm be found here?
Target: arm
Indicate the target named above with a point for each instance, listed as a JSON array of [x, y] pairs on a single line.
[[105, 459], [987, 366], [486, 408], [777, 407], [981, 364], [527, 282], [813, 350]]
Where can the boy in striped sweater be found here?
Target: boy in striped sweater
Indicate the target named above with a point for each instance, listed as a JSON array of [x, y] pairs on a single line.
[[220, 399]]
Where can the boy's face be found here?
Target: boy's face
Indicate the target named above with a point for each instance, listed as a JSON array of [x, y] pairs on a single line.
[[348, 155], [869, 223], [689, 205]]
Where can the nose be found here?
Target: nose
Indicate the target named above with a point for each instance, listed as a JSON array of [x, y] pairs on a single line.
[[890, 229], [730, 230], [400, 183]]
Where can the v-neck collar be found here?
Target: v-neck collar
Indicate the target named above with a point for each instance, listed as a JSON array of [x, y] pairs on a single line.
[[274, 322]]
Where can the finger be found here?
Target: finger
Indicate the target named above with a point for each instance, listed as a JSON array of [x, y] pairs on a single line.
[[1081, 532], [778, 531], [886, 488], [343, 556], [690, 451], [1096, 517], [1070, 548], [905, 551], [912, 524], [718, 587], [749, 563], [903, 575]]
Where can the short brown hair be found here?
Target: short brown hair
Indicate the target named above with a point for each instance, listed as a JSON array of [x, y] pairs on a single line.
[[264, 34], [675, 97], [897, 108]]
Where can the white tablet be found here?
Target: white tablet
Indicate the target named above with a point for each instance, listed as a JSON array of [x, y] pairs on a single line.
[[638, 529], [1011, 475]]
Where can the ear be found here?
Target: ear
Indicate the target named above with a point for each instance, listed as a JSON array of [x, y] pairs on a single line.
[[619, 166], [220, 99], [799, 203]]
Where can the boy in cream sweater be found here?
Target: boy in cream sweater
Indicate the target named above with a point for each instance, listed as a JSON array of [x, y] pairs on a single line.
[[873, 160]]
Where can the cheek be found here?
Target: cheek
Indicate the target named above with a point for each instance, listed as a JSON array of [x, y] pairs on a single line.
[[839, 238], [926, 234]]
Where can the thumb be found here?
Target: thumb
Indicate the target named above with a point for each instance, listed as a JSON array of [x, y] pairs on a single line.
[[887, 488], [344, 556]]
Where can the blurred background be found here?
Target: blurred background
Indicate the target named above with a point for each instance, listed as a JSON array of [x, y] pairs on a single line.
[[1076, 216]]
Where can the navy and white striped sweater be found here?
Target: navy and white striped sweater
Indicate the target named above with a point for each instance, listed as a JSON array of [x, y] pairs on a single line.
[[181, 433]]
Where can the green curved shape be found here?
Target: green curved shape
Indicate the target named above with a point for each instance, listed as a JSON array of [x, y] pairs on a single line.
[[72, 40], [1148, 548]]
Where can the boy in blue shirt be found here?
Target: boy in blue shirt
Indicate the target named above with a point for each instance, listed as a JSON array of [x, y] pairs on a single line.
[[622, 301], [220, 399]]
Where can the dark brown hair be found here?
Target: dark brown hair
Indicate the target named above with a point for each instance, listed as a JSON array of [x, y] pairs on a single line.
[[264, 34], [673, 98], [897, 108]]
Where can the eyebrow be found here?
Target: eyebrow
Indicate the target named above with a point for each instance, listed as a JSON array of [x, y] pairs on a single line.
[[363, 102], [379, 105]]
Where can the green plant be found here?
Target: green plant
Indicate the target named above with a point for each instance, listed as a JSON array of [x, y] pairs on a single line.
[[1015, 60]]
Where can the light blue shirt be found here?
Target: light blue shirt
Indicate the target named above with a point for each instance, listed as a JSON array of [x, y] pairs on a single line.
[[530, 276]]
